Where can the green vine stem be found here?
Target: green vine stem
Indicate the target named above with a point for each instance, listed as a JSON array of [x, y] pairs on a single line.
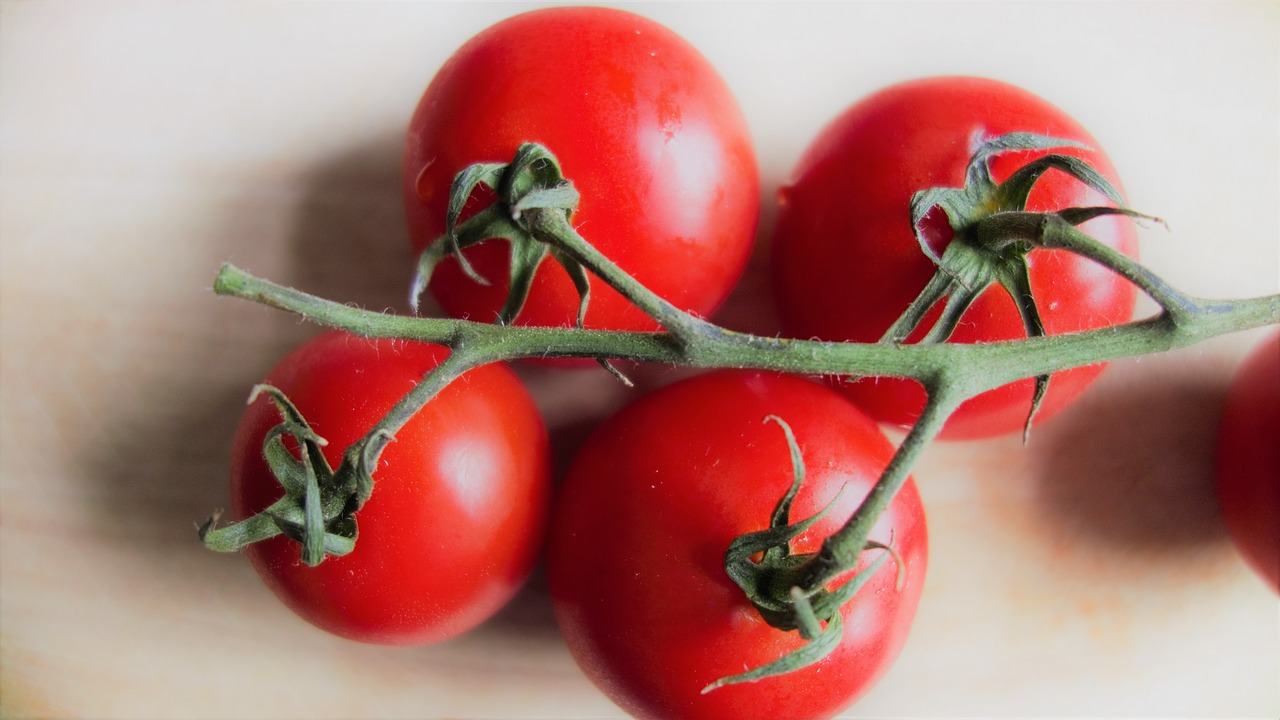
[[538, 210], [968, 369]]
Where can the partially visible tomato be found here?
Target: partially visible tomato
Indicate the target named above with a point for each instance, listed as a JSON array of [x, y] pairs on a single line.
[[1248, 460], [649, 507], [458, 513], [847, 263], [642, 125]]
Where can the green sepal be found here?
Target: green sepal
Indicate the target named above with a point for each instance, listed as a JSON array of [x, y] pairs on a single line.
[[286, 468], [581, 282], [1015, 190], [980, 196], [532, 171], [822, 640], [489, 223], [239, 535], [774, 541], [813, 613], [828, 602], [526, 256], [782, 511], [337, 540], [317, 506], [1080, 215], [533, 180], [563, 196], [958, 204], [464, 184], [979, 168], [312, 523], [362, 458], [992, 235], [294, 424], [1017, 282]]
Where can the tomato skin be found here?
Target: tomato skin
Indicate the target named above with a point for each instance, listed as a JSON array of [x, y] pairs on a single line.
[[652, 501], [460, 502], [642, 125], [847, 264], [1247, 464]]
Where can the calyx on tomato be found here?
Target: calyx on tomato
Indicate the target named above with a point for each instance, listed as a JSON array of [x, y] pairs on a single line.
[[319, 503], [992, 235], [533, 179], [531, 211], [771, 582]]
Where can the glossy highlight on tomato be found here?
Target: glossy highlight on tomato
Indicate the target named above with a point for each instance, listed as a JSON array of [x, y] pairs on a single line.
[[651, 503], [847, 264], [458, 513], [1247, 464], [642, 125]]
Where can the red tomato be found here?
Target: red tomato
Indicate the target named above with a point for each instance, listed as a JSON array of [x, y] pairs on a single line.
[[1248, 460], [643, 126], [847, 263], [651, 503], [458, 512]]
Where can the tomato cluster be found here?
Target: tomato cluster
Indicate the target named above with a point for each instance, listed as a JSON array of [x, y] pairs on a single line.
[[636, 553]]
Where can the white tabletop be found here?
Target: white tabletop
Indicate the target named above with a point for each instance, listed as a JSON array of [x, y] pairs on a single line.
[[144, 143]]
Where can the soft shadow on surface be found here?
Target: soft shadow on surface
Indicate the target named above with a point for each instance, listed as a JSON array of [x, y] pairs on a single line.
[[162, 464], [163, 468], [527, 617], [1132, 464], [350, 240]]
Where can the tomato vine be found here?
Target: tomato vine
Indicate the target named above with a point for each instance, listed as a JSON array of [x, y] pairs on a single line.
[[531, 210]]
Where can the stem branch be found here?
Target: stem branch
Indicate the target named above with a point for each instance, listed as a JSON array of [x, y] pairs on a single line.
[[553, 228], [974, 367], [841, 549]]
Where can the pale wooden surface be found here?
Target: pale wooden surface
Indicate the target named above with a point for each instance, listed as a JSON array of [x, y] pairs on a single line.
[[145, 143]]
